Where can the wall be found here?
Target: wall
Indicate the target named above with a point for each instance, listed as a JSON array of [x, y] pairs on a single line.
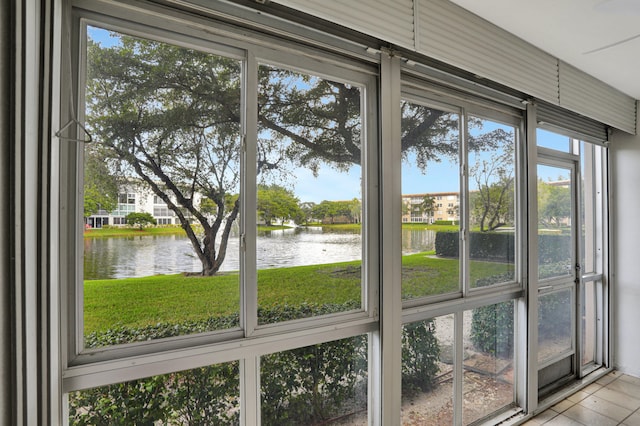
[[625, 220]]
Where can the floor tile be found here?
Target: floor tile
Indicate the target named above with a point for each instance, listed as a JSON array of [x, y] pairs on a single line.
[[593, 387], [633, 419], [624, 387], [562, 420], [608, 378], [588, 417], [630, 379], [562, 406], [619, 398], [578, 396], [606, 408], [546, 415]]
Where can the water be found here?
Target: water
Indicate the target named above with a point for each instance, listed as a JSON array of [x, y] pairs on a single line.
[[140, 256]]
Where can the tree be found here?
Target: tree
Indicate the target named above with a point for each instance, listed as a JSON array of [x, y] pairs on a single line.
[[492, 204], [100, 186], [171, 116], [554, 203], [140, 219], [428, 205], [276, 202], [306, 212], [326, 209]]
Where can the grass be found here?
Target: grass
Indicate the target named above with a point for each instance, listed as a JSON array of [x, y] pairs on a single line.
[[126, 231], [129, 232], [137, 302]]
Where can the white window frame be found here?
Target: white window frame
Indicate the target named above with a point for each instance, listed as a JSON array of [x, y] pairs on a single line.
[[84, 369]]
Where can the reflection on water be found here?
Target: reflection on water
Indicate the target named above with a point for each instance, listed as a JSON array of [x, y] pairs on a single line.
[[126, 257]]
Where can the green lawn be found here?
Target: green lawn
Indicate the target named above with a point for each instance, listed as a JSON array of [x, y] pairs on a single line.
[[127, 231], [138, 302]]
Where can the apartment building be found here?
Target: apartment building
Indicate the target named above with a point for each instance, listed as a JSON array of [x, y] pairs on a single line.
[[440, 206], [137, 198]]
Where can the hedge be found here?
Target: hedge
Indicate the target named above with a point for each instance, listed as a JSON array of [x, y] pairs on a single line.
[[500, 246], [492, 326], [307, 385]]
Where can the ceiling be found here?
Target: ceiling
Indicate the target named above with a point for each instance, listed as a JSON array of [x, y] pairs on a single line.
[[600, 37]]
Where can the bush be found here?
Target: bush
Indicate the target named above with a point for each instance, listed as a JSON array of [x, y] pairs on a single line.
[[420, 354], [301, 386], [445, 222], [492, 326]]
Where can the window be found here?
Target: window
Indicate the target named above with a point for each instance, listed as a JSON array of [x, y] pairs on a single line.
[[152, 81], [492, 202], [268, 302], [274, 216], [310, 135]]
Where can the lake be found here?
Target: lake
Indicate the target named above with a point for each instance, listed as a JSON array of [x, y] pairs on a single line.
[[125, 257]]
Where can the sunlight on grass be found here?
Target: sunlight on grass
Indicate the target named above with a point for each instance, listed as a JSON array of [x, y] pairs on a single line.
[[138, 302]]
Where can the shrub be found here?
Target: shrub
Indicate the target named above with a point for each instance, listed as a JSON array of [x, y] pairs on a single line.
[[301, 386], [420, 353], [500, 246], [492, 326]]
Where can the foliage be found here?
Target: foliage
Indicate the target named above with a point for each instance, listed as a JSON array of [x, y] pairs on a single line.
[[492, 201], [171, 117], [420, 354], [140, 219], [276, 202], [100, 186], [492, 326], [554, 203], [499, 246], [207, 395], [305, 385], [445, 222], [350, 210]]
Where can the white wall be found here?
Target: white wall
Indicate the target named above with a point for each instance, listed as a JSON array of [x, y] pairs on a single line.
[[625, 220]]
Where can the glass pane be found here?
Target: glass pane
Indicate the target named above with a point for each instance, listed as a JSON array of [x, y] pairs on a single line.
[[427, 371], [309, 247], [555, 252], [161, 188], [552, 140], [202, 396], [590, 199], [488, 361], [320, 384], [430, 201], [554, 324], [492, 164], [588, 322]]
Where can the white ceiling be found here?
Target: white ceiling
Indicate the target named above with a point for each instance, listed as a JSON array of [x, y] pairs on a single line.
[[600, 37]]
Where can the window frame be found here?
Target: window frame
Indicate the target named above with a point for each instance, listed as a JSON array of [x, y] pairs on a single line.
[[84, 368], [421, 92]]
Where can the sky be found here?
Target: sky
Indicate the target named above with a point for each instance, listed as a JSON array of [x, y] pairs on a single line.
[[335, 185]]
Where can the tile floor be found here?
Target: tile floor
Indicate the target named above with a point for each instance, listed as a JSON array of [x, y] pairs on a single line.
[[613, 400]]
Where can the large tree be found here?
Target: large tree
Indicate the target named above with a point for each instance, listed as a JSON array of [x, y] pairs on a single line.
[[171, 117]]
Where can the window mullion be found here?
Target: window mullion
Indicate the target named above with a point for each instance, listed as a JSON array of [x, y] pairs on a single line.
[[248, 225], [250, 391], [463, 215], [388, 341]]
